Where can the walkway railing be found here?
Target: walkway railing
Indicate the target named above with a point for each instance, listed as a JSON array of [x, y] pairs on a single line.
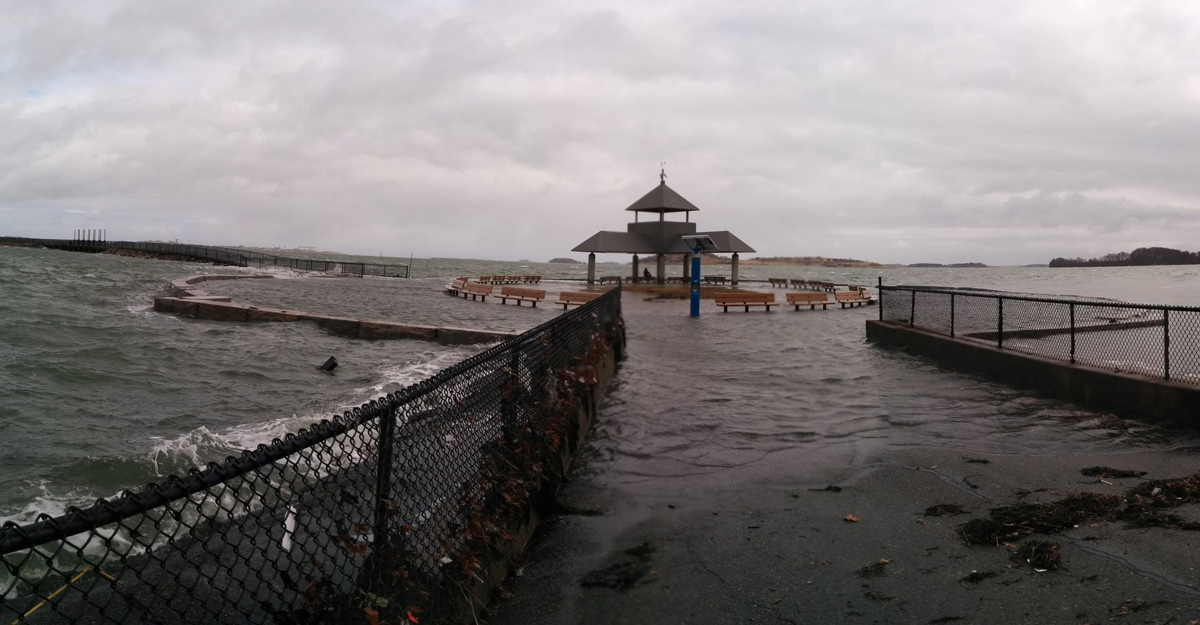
[[386, 513], [1154, 341], [222, 255]]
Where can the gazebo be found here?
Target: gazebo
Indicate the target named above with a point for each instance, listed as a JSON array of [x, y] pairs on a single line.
[[659, 237]]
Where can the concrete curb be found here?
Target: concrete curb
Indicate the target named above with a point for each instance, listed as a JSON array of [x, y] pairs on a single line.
[[1152, 399]]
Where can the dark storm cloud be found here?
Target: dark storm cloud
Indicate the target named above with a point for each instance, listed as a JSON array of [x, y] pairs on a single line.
[[898, 131]]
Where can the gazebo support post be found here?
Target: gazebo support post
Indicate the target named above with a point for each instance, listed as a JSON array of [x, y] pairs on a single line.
[[591, 268], [733, 271], [687, 267], [661, 278], [635, 268]]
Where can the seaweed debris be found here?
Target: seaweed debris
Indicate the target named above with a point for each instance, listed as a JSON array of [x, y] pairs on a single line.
[[1040, 554], [629, 572], [1110, 472], [944, 509], [874, 568], [1144, 505], [974, 577]]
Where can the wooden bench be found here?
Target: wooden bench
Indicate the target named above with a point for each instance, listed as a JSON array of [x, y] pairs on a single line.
[[609, 279], [850, 298], [780, 282], [799, 284], [575, 298], [521, 294], [459, 284], [812, 300], [714, 279], [531, 279], [725, 300], [476, 290]]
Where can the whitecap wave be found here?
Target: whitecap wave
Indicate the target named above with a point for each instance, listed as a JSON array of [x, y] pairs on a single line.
[[45, 503], [202, 444], [409, 373]]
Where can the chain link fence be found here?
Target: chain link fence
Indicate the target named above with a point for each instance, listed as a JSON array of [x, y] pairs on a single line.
[[219, 255], [390, 512], [1154, 341]]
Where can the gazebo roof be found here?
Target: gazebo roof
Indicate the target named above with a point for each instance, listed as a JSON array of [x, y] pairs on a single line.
[[621, 242], [662, 199], [632, 243]]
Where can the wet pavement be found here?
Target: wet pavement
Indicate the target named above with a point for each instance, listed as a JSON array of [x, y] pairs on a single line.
[[776, 468]]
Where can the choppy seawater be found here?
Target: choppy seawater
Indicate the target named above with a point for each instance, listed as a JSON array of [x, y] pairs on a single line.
[[98, 393]]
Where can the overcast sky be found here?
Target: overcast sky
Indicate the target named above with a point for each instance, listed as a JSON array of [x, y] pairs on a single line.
[[900, 132]]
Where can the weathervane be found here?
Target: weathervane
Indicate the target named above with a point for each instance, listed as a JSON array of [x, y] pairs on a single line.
[[662, 176]]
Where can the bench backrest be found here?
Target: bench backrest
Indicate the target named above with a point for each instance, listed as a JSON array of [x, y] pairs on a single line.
[[479, 289], [805, 298], [752, 298], [459, 282], [519, 291], [843, 296], [574, 296]]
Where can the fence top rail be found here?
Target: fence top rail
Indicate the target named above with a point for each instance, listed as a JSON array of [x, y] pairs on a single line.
[[1033, 298], [14, 537]]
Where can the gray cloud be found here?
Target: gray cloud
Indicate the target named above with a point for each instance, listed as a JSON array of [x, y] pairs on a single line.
[[900, 132]]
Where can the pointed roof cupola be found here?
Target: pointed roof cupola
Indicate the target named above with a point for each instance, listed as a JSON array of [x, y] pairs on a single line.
[[662, 199]]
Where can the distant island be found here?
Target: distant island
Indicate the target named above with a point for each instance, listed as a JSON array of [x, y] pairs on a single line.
[[566, 261], [949, 265], [1142, 256], [810, 261]]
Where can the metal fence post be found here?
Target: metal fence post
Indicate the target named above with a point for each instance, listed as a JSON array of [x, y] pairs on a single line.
[[912, 308], [508, 400], [952, 315], [383, 475], [1000, 324], [879, 288], [1166, 345], [1072, 333]]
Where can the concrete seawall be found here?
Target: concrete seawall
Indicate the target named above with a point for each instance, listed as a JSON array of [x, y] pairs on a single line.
[[189, 301], [1149, 398]]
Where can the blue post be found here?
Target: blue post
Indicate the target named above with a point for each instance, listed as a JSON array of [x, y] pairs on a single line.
[[696, 281]]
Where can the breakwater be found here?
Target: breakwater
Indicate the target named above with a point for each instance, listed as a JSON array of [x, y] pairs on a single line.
[[407, 507], [236, 257], [188, 300]]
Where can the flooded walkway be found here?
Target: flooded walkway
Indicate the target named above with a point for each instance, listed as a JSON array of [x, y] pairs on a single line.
[[776, 468]]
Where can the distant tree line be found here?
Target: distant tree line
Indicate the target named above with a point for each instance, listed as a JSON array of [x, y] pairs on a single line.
[[1140, 256]]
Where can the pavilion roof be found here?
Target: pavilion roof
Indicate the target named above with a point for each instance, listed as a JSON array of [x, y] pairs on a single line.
[[621, 242], [662, 199], [631, 243]]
